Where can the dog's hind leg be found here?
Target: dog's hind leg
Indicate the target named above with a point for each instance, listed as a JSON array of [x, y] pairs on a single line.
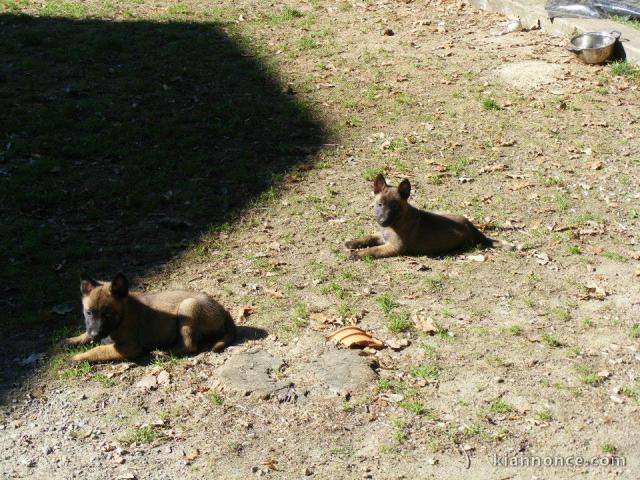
[[188, 312]]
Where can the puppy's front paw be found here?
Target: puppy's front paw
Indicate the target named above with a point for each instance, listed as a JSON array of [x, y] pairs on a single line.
[[351, 244], [65, 342]]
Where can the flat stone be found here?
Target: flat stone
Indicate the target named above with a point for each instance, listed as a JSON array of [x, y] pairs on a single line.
[[529, 74], [252, 373], [164, 378], [342, 372], [148, 382]]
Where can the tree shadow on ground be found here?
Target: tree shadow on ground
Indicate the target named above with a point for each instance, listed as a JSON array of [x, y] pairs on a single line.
[[121, 145]]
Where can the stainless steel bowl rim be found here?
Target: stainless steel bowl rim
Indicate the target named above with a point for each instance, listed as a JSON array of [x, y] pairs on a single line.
[[607, 35]]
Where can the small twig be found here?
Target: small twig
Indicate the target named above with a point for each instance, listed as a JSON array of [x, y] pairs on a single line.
[[464, 452]]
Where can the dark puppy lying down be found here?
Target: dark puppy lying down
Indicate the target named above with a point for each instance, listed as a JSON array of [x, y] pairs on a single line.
[[406, 230]]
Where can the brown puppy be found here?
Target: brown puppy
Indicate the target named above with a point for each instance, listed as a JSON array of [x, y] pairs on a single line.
[[405, 229], [138, 322]]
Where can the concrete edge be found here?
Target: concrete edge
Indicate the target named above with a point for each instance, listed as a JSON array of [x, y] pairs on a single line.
[[533, 11]]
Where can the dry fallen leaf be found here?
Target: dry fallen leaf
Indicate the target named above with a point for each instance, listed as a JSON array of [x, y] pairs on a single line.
[[240, 314], [274, 293], [354, 337], [498, 167], [423, 322], [595, 292], [192, 454], [597, 165], [520, 186]]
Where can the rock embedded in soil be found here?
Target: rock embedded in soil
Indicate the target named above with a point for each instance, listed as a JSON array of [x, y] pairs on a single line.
[[251, 373], [529, 74], [341, 372], [148, 382]]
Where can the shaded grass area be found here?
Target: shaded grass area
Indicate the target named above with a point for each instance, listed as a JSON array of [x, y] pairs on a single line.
[[125, 144]]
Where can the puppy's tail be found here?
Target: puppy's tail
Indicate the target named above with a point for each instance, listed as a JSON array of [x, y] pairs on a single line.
[[229, 334], [492, 243]]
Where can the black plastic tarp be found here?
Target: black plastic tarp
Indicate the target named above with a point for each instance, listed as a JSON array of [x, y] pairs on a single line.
[[593, 8]]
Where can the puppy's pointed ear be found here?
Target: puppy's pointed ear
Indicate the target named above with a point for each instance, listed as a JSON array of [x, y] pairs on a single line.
[[119, 286], [404, 189], [379, 184], [87, 284]]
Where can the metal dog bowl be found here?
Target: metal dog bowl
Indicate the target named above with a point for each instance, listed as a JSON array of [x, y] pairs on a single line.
[[594, 47]]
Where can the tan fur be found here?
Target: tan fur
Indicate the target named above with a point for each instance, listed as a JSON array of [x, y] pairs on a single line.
[[411, 231], [142, 322]]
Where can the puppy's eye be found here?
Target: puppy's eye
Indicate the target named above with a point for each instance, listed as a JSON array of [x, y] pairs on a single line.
[[379, 204], [90, 313]]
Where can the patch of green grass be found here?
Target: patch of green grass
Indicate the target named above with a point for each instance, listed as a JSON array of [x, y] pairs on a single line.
[[387, 385], [551, 340], [386, 303], [103, 379], [489, 104], [170, 413], [481, 331], [164, 360], [234, 446], [574, 250], [514, 330], [62, 8], [413, 406], [215, 399], [430, 351], [307, 43], [399, 433], [13, 6], [428, 372], [588, 376], [630, 22], [371, 173], [634, 331], [608, 448], [442, 331], [144, 435], [458, 166], [398, 322], [75, 371], [561, 201], [368, 260], [287, 14], [299, 315], [543, 415], [624, 69], [613, 256], [559, 314], [335, 288], [403, 99], [434, 281], [500, 406], [435, 179], [180, 9], [632, 391]]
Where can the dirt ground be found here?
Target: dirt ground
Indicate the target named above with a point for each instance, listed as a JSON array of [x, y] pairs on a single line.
[[533, 352]]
